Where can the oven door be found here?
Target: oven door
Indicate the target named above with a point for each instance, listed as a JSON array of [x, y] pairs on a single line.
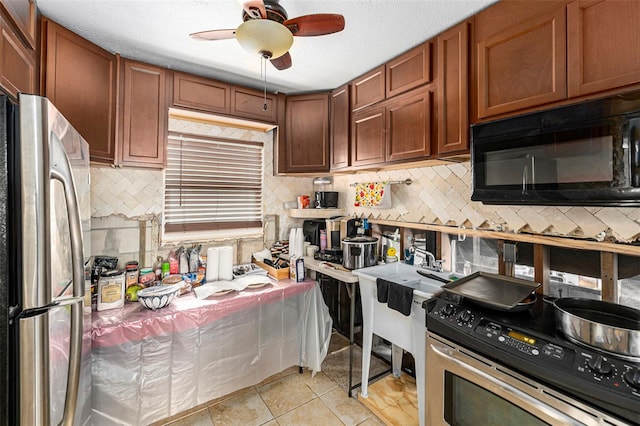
[[464, 388]]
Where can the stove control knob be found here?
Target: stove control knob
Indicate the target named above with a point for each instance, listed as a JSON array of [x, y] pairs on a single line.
[[465, 316], [632, 378], [448, 310], [600, 365]]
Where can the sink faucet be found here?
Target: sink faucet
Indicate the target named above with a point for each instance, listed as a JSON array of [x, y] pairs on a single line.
[[430, 261]]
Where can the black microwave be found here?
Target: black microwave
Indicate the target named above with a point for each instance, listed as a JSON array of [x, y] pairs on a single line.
[[582, 154]]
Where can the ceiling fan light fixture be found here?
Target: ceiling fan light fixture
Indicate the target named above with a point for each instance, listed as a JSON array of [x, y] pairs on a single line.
[[264, 37]]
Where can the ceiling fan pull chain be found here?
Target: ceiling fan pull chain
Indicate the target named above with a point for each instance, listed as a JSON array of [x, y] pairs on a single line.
[[264, 65]]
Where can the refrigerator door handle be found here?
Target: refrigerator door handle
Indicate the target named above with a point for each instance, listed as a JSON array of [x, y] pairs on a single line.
[[60, 170]]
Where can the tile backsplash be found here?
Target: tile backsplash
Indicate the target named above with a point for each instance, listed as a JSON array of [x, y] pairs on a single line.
[[127, 204]]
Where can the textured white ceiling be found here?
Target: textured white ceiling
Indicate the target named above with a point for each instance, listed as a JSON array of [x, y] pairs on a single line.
[[157, 32]]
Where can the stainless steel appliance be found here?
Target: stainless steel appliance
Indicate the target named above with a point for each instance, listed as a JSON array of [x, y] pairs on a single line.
[[502, 368], [359, 252], [333, 233], [45, 337], [582, 154]]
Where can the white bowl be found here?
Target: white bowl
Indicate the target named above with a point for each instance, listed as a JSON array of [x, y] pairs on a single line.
[[159, 296]]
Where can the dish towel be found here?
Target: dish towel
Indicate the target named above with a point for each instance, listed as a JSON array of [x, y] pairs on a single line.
[[397, 296], [373, 194]]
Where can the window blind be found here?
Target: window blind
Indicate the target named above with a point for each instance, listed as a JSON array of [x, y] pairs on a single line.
[[212, 183]]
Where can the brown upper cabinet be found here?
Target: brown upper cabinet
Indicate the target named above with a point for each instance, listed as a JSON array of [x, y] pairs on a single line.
[[453, 89], [339, 126], [305, 146], [144, 115], [408, 126], [523, 65], [23, 15], [17, 64], [398, 129], [203, 94], [603, 51], [80, 79], [409, 70], [368, 89], [368, 136]]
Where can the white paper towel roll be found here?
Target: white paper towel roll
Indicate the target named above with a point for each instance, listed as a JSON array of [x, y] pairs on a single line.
[[299, 242], [225, 264], [292, 242], [213, 260]]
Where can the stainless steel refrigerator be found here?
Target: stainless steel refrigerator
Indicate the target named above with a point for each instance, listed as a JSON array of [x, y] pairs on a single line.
[[45, 318]]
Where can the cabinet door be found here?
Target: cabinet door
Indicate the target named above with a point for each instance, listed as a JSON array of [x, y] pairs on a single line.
[[80, 80], [602, 45], [408, 124], [201, 94], [144, 115], [339, 122], [307, 133], [523, 66], [409, 70], [17, 64], [247, 103], [453, 89], [368, 137], [368, 89], [23, 16]]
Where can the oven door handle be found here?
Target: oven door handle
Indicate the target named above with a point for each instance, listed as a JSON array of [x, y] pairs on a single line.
[[455, 357]]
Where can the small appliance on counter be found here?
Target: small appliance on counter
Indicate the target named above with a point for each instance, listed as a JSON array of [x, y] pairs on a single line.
[[333, 227], [311, 230], [326, 199], [359, 252]]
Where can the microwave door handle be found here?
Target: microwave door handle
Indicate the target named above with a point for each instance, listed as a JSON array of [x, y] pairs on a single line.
[[60, 170], [524, 179]]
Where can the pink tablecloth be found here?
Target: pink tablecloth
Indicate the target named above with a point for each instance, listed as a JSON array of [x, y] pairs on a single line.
[[134, 322], [150, 365]]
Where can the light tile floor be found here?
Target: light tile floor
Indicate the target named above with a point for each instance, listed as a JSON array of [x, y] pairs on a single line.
[[287, 398]]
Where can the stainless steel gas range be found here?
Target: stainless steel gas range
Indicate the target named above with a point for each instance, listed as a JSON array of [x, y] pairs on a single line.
[[513, 368]]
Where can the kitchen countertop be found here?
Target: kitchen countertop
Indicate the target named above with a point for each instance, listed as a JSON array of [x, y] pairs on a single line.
[[331, 269]]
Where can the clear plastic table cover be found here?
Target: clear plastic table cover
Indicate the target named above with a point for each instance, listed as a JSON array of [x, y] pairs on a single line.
[[150, 365]]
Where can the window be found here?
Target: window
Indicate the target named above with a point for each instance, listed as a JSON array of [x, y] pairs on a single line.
[[212, 183]]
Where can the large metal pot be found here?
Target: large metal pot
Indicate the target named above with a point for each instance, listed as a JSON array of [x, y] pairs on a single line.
[[359, 252], [603, 325]]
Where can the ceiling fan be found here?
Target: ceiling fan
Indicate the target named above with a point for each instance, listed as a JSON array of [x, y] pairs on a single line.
[[266, 30]]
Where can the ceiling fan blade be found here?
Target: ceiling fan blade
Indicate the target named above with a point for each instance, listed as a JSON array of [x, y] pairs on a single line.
[[213, 35], [315, 25], [254, 8], [283, 62]]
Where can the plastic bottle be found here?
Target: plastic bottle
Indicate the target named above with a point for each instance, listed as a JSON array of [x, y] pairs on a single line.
[[157, 268], [466, 269], [323, 239], [173, 263]]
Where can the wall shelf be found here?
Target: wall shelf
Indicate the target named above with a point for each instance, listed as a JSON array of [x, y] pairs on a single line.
[[316, 213]]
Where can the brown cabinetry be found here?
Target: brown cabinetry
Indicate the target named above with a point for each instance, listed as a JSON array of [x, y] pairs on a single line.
[[305, 146], [22, 14], [144, 115], [368, 89], [408, 127], [397, 130], [523, 65], [602, 45], [409, 70], [339, 125], [202, 94], [368, 136], [80, 79], [453, 89], [248, 103], [17, 63]]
